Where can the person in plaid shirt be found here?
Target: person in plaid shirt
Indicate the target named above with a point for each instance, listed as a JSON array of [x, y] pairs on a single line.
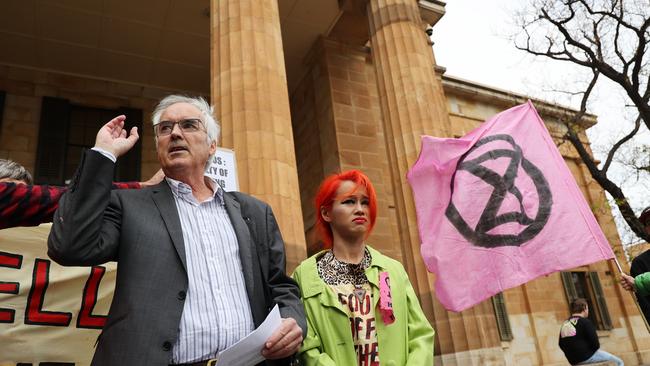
[[25, 204]]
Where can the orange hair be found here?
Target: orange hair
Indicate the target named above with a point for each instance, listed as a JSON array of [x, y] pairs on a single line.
[[327, 194]]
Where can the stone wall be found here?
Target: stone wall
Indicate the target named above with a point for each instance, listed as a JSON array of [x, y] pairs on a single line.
[[26, 87], [337, 125]]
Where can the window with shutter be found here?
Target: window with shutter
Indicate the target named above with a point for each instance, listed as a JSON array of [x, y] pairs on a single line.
[[501, 314], [67, 130], [569, 288], [2, 108], [603, 311], [52, 136], [128, 165]]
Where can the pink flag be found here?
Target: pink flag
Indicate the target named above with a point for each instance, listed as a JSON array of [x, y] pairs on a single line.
[[499, 207]]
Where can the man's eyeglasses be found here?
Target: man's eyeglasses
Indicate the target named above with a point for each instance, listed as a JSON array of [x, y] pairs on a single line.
[[165, 128]]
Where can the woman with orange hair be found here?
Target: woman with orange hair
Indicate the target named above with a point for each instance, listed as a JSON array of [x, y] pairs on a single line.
[[361, 308]]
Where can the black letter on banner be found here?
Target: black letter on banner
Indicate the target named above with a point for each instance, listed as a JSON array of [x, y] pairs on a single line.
[[11, 261], [34, 313]]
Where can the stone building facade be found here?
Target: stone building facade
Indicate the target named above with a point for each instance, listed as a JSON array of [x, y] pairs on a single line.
[[302, 88]]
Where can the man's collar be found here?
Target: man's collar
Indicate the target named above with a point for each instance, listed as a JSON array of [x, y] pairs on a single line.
[[180, 189]]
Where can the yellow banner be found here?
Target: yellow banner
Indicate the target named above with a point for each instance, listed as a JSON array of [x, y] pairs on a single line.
[[49, 314]]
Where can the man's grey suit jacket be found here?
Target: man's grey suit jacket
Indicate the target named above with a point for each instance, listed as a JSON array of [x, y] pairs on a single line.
[[141, 230]]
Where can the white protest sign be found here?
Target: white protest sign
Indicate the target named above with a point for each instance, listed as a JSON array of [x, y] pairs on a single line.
[[223, 168]]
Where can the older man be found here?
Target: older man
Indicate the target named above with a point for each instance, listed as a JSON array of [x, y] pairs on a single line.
[[199, 268]]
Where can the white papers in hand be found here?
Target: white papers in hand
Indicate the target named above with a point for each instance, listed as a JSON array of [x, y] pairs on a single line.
[[248, 350]]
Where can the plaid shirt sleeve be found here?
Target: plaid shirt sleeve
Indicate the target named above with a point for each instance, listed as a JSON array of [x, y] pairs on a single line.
[[25, 205], [32, 205], [126, 185]]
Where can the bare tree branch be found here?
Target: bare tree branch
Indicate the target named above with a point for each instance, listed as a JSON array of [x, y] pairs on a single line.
[[619, 143], [638, 55], [615, 45], [609, 186]]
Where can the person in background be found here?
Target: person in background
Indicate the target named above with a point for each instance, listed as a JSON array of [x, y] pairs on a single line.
[[12, 172], [638, 271], [639, 284], [25, 204], [578, 338], [360, 305]]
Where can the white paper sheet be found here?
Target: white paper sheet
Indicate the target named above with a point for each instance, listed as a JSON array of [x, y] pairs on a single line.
[[248, 350]]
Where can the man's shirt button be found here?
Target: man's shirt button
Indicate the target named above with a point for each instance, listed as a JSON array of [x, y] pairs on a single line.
[[166, 346]]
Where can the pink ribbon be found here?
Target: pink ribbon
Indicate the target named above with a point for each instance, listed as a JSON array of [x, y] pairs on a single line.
[[385, 299]]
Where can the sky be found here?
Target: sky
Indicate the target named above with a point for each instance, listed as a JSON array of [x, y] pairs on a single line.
[[472, 42]]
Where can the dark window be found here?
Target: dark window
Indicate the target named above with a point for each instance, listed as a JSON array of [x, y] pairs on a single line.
[[587, 286], [2, 108], [66, 130], [501, 314], [82, 129]]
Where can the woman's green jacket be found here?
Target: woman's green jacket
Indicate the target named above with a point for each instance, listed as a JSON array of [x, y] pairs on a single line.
[[407, 341]]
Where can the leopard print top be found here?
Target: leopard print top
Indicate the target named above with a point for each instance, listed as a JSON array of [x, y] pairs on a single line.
[[335, 272]]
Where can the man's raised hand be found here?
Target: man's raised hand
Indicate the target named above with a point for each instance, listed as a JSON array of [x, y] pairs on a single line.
[[112, 137]]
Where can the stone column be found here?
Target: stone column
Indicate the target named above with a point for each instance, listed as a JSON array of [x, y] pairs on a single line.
[[412, 104], [249, 91]]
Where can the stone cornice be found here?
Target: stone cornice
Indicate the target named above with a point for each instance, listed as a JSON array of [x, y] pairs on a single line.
[[457, 86], [431, 10]]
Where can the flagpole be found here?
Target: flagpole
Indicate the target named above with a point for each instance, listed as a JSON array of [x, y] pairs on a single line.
[[636, 301], [618, 265]]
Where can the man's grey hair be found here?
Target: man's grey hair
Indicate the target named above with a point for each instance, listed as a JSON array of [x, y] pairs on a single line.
[[207, 113], [14, 171]]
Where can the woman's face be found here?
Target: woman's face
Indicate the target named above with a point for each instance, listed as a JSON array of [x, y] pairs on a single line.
[[349, 216]]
